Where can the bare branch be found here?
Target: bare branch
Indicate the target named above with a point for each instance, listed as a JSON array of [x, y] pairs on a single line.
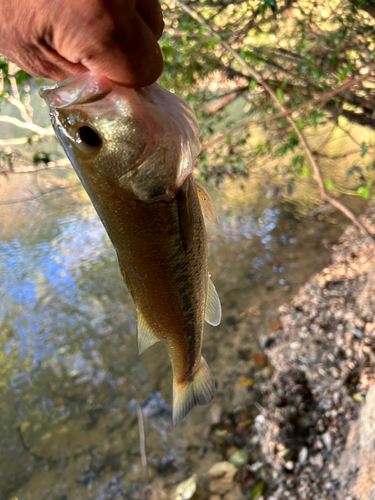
[[142, 443], [29, 126], [324, 98], [252, 24], [20, 140], [16, 99], [39, 195]]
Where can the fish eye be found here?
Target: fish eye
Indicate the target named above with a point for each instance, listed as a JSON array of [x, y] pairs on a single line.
[[88, 136]]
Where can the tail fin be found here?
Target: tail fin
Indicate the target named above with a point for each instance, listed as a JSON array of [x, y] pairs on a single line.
[[200, 391]]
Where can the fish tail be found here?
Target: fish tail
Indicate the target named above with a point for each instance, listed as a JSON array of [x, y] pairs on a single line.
[[199, 391]]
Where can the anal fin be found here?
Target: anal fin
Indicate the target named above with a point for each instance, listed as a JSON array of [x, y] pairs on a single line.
[[206, 203], [213, 306], [145, 335], [199, 391]]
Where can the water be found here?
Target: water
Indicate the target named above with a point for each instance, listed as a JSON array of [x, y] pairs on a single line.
[[70, 376]]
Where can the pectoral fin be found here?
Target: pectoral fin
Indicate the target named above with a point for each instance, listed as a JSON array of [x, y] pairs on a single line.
[[145, 335], [213, 306], [207, 205]]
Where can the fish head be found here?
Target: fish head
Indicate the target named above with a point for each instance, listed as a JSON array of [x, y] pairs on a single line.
[[141, 143]]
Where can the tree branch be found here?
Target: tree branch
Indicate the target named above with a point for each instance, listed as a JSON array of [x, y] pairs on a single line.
[[321, 99], [16, 99], [258, 78], [252, 24], [39, 195], [41, 131]]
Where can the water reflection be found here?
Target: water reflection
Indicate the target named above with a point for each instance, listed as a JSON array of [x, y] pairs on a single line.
[[70, 377]]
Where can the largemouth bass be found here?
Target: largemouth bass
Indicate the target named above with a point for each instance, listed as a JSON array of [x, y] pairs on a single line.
[[134, 152]]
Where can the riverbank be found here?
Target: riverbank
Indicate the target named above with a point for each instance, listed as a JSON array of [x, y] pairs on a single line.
[[324, 359]]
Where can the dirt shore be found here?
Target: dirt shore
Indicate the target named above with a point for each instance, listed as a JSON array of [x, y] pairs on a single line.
[[324, 361]]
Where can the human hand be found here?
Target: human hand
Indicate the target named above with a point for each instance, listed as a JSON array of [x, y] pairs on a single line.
[[60, 38]]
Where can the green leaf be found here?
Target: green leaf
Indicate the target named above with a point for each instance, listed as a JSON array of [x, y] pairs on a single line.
[[364, 192], [329, 184], [280, 95], [299, 123], [240, 165], [272, 5], [252, 85], [257, 491], [305, 172], [364, 149]]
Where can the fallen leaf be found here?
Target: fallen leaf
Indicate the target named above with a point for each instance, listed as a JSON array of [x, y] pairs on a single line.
[[239, 458], [221, 469], [257, 491], [244, 423], [246, 382], [256, 466], [186, 489], [277, 326], [259, 359]]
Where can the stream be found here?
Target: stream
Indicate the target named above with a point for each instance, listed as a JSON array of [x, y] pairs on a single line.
[[71, 379]]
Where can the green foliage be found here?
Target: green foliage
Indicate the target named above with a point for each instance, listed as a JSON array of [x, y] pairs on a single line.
[[364, 191], [7, 160], [41, 157], [301, 49], [20, 76]]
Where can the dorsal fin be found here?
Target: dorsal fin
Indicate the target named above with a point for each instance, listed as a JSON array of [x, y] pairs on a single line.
[[207, 205], [145, 335], [213, 306]]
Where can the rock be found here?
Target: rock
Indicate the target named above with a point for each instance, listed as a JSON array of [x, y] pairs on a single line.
[[220, 486], [256, 466], [303, 454], [327, 440], [359, 323], [215, 412], [235, 494], [357, 464], [289, 465]]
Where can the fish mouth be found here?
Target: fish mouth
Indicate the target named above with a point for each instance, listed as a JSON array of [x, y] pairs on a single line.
[[80, 89]]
